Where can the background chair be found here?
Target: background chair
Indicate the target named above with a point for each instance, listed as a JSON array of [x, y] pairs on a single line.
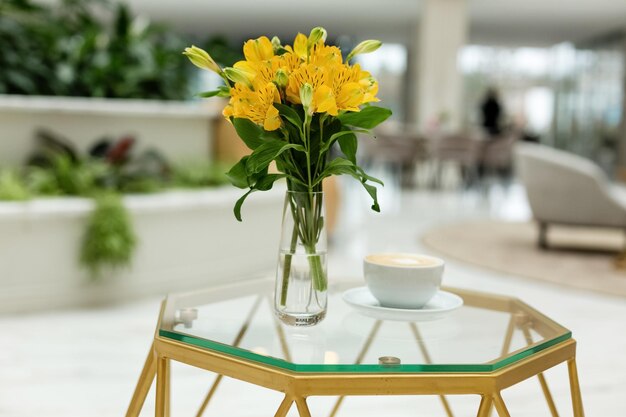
[[460, 150], [497, 154], [567, 189], [399, 148]]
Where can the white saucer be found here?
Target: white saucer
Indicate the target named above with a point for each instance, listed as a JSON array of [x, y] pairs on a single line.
[[440, 306]]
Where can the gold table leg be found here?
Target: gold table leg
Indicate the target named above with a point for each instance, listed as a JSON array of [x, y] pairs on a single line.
[[520, 320], [359, 359], [486, 403], [508, 338], [303, 408], [143, 385], [542, 379], [427, 359], [548, 395], [235, 343], [284, 407], [577, 401], [162, 388], [209, 395], [500, 406], [506, 347]]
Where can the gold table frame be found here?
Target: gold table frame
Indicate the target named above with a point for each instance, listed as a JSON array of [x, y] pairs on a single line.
[[298, 386]]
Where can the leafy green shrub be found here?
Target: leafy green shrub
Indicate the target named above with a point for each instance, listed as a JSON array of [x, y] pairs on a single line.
[[140, 185], [12, 186], [199, 175], [109, 240], [90, 48], [67, 177]]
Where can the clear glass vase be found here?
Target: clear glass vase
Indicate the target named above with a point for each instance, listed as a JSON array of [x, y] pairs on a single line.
[[301, 276]]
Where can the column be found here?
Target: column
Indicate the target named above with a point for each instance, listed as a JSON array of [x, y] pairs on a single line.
[[621, 148], [437, 41]]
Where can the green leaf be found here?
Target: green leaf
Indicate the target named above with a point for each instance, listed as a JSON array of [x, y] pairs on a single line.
[[222, 91], [369, 177], [239, 203], [290, 114], [266, 182], [238, 174], [371, 190], [340, 166], [267, 152], [346, 132], [349, 145], [207, 94], [271, 135], [368, 118], [249, 132], [263, 182]]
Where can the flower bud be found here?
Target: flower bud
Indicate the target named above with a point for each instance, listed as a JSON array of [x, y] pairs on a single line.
[[317, 34], [364, 47], [306, 96], [201, 59], [282, 79], [237, 75], [276, 44]]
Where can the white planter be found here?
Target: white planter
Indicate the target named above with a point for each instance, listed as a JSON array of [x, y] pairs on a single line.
[[180, 130], [187, 239]]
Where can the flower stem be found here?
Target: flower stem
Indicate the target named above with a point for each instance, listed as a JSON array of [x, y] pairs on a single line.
[[287, 265], [317, 270]]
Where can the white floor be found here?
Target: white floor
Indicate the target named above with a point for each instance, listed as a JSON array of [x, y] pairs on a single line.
[[84, 363]]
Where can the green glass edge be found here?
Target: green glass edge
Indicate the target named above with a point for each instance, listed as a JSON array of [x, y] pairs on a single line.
[[413, 368]]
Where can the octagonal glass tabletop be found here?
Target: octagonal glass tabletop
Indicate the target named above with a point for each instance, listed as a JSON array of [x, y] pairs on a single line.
[[487, 333]]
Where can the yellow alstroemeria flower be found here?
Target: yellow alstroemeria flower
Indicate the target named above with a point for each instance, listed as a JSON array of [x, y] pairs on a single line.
[[317, 77], [370, 88], [257, 105], [228, 111], [237, 76], [305, 74], [335, 86], [348, 91], [250, 69], [324, 55], [290, 60], [259, 49], [349, 97], [300, 46], [261, 72], [324, 101]]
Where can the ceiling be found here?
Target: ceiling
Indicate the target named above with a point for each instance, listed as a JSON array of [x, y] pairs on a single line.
[[510, 22], [544, 22]]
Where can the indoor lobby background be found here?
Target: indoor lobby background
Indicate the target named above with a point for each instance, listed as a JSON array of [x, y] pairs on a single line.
[[92, 81]]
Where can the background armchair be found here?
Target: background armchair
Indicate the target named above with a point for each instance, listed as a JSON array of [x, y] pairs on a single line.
[[564, 188]]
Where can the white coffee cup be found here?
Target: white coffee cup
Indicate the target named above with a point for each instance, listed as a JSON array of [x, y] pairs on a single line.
[[403, 280]]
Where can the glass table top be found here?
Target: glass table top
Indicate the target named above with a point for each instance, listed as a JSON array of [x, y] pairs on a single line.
[[487, 333]]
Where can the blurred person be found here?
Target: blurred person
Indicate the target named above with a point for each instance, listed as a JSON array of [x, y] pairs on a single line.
[[498, 145], [491, 111]]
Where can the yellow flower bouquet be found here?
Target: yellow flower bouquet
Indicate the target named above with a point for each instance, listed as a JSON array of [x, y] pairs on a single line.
[[291, 105]]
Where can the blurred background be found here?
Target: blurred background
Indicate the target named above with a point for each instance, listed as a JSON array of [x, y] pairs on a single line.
[[505, 154]]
